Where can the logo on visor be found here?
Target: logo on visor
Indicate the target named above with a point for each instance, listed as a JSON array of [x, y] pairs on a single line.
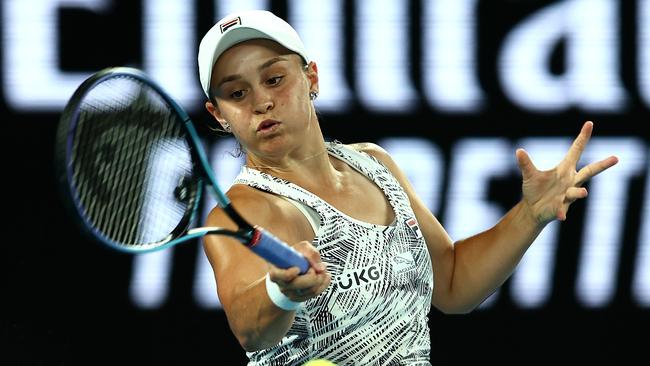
[[229, 24]]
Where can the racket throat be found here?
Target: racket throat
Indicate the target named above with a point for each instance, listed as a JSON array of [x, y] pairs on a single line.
[[234, 216], [255, 237]]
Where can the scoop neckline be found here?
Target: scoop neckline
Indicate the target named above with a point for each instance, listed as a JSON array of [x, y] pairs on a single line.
[[329, 146]]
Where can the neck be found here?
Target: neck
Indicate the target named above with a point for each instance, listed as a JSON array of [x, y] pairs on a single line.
[[293, 162], [312, 171]]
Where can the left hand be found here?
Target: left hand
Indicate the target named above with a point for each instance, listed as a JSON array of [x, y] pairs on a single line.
[[549, 193]]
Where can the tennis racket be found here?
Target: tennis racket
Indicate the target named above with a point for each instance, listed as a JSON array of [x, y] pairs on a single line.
[[132, 170]]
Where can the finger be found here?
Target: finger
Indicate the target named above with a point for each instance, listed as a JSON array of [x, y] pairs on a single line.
[[307, 286], [283, 276], [307, 281], [525, 164], [321, 285], [575, 193], [312, 255], [325, 284], [297, 283], [298, 293], [594, 169], [580, 143]]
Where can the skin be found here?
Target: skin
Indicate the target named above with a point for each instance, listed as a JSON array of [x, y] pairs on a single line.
[[259, 80]]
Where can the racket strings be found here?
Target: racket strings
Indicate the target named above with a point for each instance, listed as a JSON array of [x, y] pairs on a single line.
[[129, 154], [110, 157]]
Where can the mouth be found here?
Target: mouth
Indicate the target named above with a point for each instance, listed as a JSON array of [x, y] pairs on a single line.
[[267, 125]]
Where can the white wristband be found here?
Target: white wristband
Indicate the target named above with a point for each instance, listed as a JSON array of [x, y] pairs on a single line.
[[278, 298]]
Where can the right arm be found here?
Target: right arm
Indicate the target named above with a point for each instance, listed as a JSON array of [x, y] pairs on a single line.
[[254, 319]]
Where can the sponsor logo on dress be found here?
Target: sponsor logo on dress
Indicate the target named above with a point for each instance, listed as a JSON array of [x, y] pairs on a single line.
[[358, 277], [412, 223], [403, 262]]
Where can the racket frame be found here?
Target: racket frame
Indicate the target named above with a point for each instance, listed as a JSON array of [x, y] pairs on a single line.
[[256, 238], [183, 231]]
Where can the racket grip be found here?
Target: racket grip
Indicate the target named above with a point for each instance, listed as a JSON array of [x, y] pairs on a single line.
[[276, 251]]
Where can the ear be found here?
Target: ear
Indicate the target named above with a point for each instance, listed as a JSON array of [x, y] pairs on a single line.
[[214, 110], [311, 71]]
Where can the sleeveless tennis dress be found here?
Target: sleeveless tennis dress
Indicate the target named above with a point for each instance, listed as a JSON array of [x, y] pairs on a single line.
[[375, 311]]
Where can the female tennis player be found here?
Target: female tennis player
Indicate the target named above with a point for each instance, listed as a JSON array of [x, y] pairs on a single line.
[[374, 248]]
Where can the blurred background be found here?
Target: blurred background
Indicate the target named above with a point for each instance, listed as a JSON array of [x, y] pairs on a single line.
[[450, 87]]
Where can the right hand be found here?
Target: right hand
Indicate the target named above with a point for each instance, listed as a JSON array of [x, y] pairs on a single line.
[[301, 287]]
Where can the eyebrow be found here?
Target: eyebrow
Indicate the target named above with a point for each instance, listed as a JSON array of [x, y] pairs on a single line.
[[263, 66]]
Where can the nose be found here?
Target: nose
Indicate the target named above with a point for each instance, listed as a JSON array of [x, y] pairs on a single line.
[[263, 102]]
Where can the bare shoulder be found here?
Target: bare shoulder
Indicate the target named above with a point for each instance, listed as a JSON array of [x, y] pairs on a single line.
[[249, 202], [367, 147], [376, 151], [265, 209], [384, 157], [246, 197]]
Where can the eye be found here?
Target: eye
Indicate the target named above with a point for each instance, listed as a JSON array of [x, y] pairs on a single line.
[[237, 94], [274, 80]]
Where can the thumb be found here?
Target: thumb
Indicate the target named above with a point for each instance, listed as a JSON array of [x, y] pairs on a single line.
[[525, 164], [312, 255]]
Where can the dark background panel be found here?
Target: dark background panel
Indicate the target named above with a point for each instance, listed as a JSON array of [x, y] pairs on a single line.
[[66, 300]]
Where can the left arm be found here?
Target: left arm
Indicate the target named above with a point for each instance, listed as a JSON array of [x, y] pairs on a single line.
[[468, 271]]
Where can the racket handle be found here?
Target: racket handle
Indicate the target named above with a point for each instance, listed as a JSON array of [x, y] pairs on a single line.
[[276, 251]]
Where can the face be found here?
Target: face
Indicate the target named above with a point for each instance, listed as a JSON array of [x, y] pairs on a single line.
[[262, 92]]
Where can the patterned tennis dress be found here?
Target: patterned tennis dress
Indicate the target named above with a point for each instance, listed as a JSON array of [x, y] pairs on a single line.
[[375, 311]]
